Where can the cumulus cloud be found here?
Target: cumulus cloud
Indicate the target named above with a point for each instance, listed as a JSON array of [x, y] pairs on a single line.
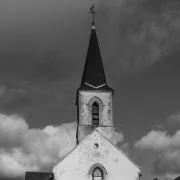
[[159, 140], [175, 118], [23, 149], [27, 149], [170, 176], [125, 148], [167, 146], [12, 130], [15, 163], [3, 89], [117, 137], [155, 140], [168, 162]]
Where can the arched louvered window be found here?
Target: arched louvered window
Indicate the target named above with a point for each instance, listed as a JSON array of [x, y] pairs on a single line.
[[97, 174], [95, 114]]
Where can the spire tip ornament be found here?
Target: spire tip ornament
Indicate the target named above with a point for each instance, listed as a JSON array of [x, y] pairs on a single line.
[[92, 11]]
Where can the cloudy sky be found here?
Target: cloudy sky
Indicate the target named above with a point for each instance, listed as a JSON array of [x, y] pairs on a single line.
[[42, 53]]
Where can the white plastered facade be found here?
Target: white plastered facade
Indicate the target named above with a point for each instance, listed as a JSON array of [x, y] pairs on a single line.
[[79, 163]]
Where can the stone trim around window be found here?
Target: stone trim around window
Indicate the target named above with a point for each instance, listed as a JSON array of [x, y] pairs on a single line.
[[97, 165], [101, 108]]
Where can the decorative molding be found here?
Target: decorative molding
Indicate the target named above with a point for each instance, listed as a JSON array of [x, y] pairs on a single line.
[[101, 107], [81, 109], [93, 99], [105, 126], [100, 166], [96, 87], [110, 110]]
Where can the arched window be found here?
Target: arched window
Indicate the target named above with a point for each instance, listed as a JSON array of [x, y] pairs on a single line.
[[97, 174], [95, 114]]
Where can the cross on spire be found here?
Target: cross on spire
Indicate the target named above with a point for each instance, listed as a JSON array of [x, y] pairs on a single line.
[[93, 74], [92, 11]]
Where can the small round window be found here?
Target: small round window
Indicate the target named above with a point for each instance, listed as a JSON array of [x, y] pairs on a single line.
[[96, 145]]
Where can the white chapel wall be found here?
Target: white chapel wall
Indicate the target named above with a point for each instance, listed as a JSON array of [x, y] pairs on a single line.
[[77, 164]]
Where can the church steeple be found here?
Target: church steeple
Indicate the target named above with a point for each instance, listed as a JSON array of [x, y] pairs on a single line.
[[93, 74], [94, 96]]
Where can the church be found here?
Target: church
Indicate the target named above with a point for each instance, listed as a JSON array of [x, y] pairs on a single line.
[[95, 156]]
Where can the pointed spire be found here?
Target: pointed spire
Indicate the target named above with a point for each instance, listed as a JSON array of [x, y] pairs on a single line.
[[93, 74], [93, 71]]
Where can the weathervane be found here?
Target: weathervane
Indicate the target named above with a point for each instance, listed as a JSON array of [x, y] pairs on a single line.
[[92, 11]]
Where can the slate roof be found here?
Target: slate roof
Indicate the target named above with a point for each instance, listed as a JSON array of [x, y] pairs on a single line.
[[178, 178], [39, 176], [93, 74]]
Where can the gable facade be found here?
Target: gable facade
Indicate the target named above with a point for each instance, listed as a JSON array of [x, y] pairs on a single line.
[[96, 152]]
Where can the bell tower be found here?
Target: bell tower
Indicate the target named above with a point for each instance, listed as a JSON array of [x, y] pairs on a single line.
[[94, 96]]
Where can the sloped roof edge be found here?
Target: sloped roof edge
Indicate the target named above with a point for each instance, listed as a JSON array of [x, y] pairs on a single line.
[[119, 150], [105, 139]]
